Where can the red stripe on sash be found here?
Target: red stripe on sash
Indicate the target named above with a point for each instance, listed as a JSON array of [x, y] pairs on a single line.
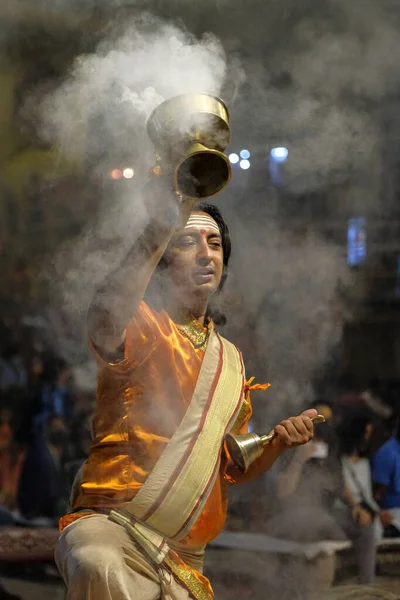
[[217, 464], [184, 458]]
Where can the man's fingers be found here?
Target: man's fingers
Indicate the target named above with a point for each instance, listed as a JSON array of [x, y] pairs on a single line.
[[308, 429], [310, 412], [309, 425], [292, 430], [283, 434], [296, 430]]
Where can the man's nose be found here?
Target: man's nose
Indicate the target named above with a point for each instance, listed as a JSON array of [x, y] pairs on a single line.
[[203, 252]]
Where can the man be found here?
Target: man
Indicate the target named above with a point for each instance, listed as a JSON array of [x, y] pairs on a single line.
[[386, 478], [153, 490]]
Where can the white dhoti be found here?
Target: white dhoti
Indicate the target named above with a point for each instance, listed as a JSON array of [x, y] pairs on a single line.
[[99, 561]]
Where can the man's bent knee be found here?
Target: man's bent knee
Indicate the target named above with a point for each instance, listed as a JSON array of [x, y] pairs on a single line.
[[94, 562]]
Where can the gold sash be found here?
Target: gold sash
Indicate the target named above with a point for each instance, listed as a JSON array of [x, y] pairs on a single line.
[[175, 492]]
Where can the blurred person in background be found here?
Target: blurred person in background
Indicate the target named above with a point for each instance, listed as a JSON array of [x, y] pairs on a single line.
[[357, 511], [55, 390], [43, 492], [12, 369], [386, 479], [317, 500], [50, 390], [11, 460], [306, 491]]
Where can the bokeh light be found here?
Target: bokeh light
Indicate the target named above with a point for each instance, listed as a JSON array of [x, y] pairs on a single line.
[[116, 174], [128, 173], [280, 154]]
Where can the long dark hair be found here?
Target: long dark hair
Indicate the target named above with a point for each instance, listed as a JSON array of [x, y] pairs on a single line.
[[352, 435], [213, 311]]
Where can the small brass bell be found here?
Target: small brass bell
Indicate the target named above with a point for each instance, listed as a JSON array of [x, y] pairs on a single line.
[[245, 448], [190, 133]]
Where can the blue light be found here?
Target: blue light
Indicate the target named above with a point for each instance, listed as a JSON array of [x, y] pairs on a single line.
[[356, 241], [245, 164], [244, 154], [233, 158], [279, 154]]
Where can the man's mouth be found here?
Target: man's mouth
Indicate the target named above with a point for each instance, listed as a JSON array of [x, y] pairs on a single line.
[[204, 275]]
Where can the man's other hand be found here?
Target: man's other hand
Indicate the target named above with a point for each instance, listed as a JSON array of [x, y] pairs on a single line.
[[361, 516], [296, 431], [386, 518]]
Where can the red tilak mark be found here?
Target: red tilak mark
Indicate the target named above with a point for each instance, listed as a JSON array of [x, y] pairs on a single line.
[[203, 231]]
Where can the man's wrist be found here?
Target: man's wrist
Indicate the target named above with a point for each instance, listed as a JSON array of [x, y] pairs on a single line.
[[276, 447]]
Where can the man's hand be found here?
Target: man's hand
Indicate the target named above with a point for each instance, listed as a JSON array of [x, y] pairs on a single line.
[[289, 433], [385, 517], [295, 431], [361, 516]]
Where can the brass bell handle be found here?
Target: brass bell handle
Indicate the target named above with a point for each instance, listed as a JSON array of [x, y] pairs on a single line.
[[266, 439]]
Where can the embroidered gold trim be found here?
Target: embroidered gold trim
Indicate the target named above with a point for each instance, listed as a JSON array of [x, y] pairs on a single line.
[[243, 412], [188, 578]]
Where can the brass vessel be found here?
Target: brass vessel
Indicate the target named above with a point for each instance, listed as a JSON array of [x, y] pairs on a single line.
[[190, 133], [245, 448]]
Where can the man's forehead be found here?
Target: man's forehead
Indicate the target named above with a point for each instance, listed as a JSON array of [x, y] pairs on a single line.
[[202, 222]]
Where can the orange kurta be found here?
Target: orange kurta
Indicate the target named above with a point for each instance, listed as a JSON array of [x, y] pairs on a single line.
[[140, 404]]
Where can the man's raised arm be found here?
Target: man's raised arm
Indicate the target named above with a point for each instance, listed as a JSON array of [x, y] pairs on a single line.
[[118, 298]]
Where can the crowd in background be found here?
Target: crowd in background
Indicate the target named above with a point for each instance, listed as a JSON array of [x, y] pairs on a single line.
[[343, 485], [45, 427]]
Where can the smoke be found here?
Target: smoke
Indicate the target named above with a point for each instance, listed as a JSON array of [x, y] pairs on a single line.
[[320, 88], [308, 77], [97, 116], [313, 76], [113, 90], [320, 85], [290, 313]]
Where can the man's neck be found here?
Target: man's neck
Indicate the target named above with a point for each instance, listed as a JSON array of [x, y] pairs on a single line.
[[180, 313], [201, 319]]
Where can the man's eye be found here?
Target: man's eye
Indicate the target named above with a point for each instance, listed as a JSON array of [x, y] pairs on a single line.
[[187, 242], [215, 244]]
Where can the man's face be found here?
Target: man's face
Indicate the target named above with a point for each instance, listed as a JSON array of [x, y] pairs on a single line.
[[195, 257]]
